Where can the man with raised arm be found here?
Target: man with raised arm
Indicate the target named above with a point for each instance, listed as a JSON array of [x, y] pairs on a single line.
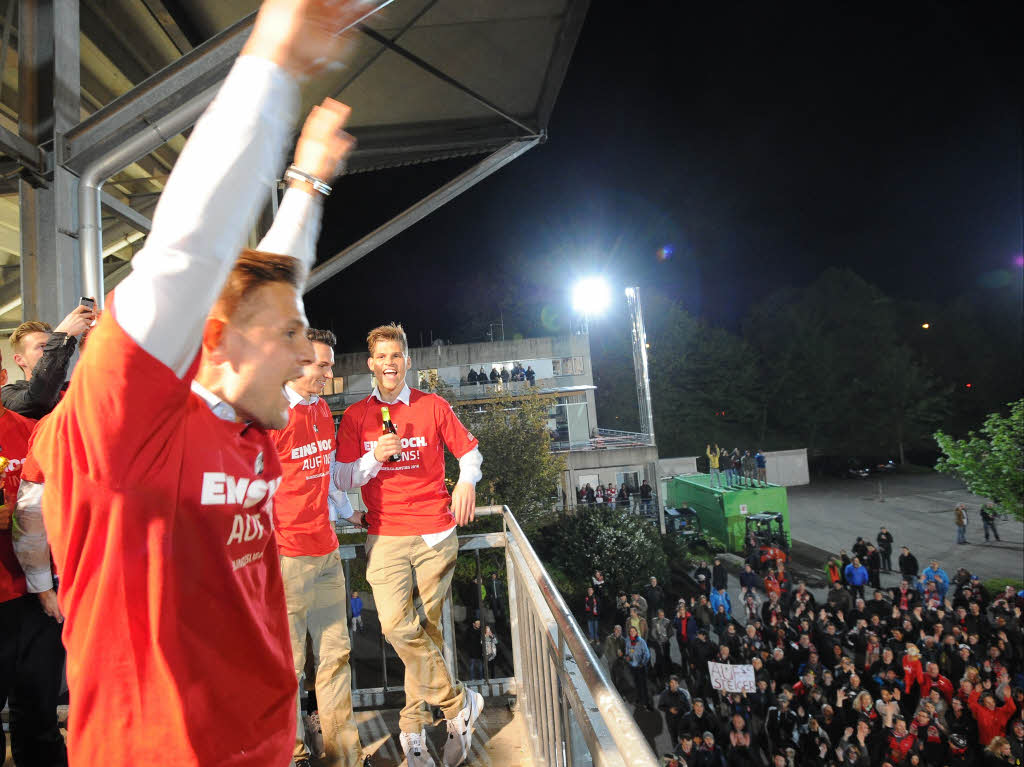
[[412, 542], [158, 468]]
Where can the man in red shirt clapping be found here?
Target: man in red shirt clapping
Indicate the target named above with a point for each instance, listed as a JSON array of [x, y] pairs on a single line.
[[412, 543]]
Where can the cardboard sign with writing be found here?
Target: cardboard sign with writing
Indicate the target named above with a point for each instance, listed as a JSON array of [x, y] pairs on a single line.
[[732, 678]]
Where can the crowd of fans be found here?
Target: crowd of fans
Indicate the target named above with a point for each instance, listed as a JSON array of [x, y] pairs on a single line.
[[927, 673], [504, 374], [736, 468], [608, 495]]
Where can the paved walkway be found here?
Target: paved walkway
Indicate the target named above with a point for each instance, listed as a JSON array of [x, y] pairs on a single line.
[[917, 509]]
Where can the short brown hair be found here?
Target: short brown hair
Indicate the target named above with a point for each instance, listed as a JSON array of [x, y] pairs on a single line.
[[27, 328], [318, 336], [254, 269], [391, 332]]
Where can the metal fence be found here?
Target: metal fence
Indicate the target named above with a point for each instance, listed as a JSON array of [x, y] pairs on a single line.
[[572, 712], [605, 439]]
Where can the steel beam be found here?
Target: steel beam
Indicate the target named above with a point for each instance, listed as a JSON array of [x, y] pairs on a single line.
[[126, 212], [430, 69], [22, 151], [49, 94], [394, 38], [419, 211], [558, 64], [160, 95], [154, 98], [175, 24], [391, 146]]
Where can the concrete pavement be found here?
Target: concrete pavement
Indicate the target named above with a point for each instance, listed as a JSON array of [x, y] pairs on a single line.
[[918, 510]]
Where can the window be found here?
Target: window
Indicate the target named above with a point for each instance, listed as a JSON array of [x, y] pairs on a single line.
[[630, 479], [567, 366]]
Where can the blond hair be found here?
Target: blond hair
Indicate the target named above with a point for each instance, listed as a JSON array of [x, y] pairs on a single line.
[[390, 332], [25, 329]]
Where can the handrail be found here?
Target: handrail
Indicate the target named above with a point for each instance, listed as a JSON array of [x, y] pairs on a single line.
[[613, 736]]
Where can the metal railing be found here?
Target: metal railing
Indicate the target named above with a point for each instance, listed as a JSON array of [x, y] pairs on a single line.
[[573, 715], [572, 712], [604, 439]]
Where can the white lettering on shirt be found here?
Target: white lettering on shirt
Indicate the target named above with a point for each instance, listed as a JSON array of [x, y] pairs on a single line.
[[220, 489], [320, 446], [407, 442], [246, 527]]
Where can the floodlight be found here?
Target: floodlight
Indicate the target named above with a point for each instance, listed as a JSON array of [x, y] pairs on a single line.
[[591, 296]]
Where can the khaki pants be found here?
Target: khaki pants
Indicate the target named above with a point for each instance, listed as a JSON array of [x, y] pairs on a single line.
[[314, 588], [396, 566]]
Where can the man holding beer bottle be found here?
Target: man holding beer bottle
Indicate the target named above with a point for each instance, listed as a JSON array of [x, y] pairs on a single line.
[[411, 522]]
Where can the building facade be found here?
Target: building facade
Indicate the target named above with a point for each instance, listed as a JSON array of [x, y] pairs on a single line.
[[557, 368]]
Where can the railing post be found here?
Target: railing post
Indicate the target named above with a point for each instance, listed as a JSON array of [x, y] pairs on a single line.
[[511, 577], [448, 633], [346, 566]]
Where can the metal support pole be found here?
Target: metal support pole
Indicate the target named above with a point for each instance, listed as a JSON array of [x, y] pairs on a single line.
[[95, 175], [347, 568], [419, 211], [515, 627], [49, 104], [12, 7], [643, 381], [383, 659], [448, 635], [480, 612]]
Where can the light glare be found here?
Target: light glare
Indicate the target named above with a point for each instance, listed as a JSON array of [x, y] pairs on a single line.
[[591, 296]]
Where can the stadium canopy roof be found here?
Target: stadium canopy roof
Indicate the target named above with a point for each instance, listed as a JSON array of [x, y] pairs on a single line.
[[426, 80]]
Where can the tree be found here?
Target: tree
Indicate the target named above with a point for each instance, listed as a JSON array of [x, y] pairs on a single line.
[[910, 404], [703, 381], [624, 547], [990, 463], [705, 389], [519, 468]]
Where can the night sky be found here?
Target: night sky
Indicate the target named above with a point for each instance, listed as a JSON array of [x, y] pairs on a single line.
[[759, 145]]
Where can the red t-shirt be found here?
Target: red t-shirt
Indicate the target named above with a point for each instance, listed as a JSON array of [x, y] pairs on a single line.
[[407, 497], [15, 431], [160, 521], [304, 447]]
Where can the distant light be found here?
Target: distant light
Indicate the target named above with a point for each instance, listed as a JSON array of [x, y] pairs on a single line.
[[1018, 260], [591, 296], [665, 252], [926, 325], [648, 346], [968, 386]]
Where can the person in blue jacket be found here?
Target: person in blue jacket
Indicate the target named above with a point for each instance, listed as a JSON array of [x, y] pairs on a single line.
[[721, 597], [935, 574], [638, 656], [856, 576]]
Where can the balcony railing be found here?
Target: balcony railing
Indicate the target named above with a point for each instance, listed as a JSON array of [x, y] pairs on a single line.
[[605, 439], [572, 712]]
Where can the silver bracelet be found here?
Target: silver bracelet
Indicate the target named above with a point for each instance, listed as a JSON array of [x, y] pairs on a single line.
[[297, 174]]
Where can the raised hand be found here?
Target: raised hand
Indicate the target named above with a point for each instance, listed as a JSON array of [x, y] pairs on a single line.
[[323, 143], [77, 322], [304, 36]]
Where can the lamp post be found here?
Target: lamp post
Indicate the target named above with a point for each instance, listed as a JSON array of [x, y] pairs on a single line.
[[640, 370], [590, 297]]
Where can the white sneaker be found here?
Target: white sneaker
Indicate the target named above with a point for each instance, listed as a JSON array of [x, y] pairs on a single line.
[[460, 730], [414, 744]]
